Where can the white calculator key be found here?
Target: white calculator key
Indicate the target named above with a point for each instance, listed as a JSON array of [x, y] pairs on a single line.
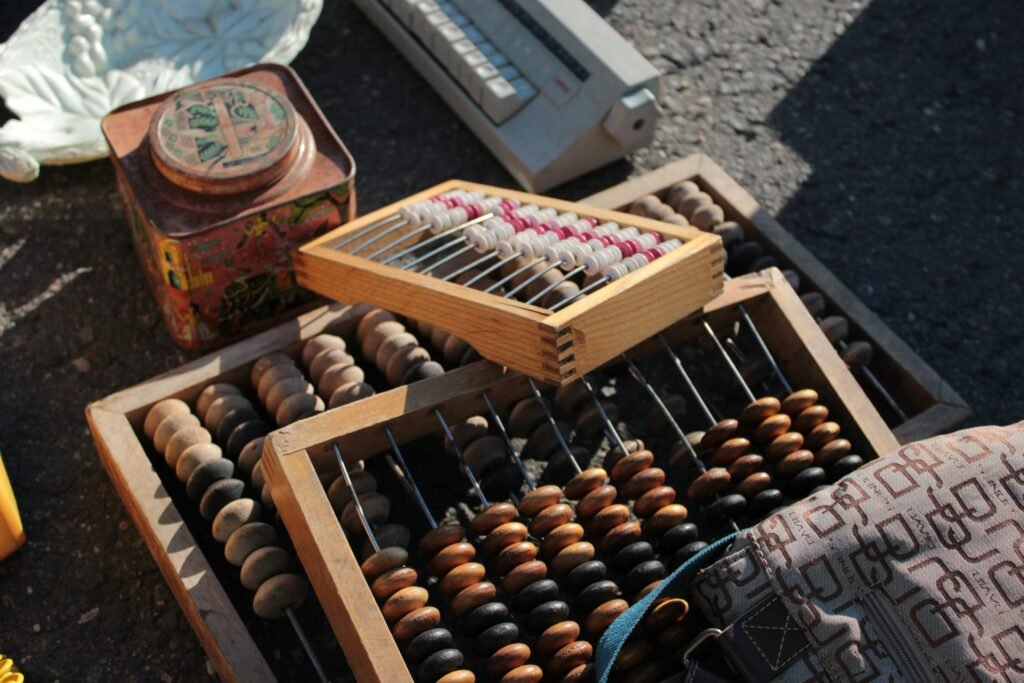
[[446, 35], [421, 24], [404, 10], [469, 61], [500, 100], [456, 51]]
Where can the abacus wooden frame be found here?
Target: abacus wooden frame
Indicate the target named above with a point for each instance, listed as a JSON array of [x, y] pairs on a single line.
[[292, 454], [934, 406], [553, 347], [116, 422]]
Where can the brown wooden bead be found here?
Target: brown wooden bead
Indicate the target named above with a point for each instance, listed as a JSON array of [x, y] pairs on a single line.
[[175, 406], [677, 193], [392, 345], [572, 556], [272, 376], [754, 484], [569, 657], [795, 462], [729, 451], [621, 536], [583, 672], [370, 320], [318, 344], [665, 613], [506, 659], [858, 354], [608, 518], [371, 342], [483, 452], [603, 615], [389, 583], [653, 500], [382, 561], [744, 466], [715, 480], [493, 517], [441, 537], [633, 653], [261, 365], [539, 499], [707, 216], [615, 453], [504, 535], [809, 418], [340, 494], [589, 422], [458, 676], [278, 594], [403, 602], [450, 557], [783, 445], [350, 392], [756, 411], [631, 465], [404, 360], [557, 636], [642, 482], [836, 328], [172, 424], [693, 202], [799, 401], [471, 597], [525, 417], [815, 303], [415, 623], [461, 577], [596, 500], [585, 482], [719, 433], [515, 555], [831, 452], [666, 518], [821, 435], [466, 432], [340, 375], [376, 507], [569, 398], [550, 519], [324, 360], [522, 576], [647, 589], [528, 673], [773, 426], [645, 206], [676, 636], [561, 537]]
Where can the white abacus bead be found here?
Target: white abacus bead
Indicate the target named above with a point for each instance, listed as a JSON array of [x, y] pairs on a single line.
[[484, 240], [647, 241], [473, 196], [628, 233], [606, 229], [638, 259], [671, 245], [573, 254], [616, 270], [534, 247], [582, 225], [599, 260], [507, 249]]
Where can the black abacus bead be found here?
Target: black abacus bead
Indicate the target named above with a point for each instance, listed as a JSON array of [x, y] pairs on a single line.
[[220, 493], [499, 478], [585, 574], [495, 638], [207, 473], [840, 468], [725, 508], [427, 643], [242, 435], [232, 419], [485, 616], [559, 469], [425, 371], [596, 594], [644, 574], [535, 594], [800, 485], [764, 502], [632, 555], [678, 536], [440, 663], [688, 551], [742, 256], [547, 614], [471, 356]]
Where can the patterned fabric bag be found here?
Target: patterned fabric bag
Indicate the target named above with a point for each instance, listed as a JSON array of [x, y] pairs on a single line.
[[909, 569]]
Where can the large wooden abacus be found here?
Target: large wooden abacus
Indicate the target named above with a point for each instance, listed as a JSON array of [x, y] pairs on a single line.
[[913, 398], [392, 628], [562, 324]]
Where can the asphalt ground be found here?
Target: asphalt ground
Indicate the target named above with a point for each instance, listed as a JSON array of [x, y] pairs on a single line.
[[885, 135]]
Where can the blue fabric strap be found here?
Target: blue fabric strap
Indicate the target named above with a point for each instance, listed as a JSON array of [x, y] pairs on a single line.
[[615, 637]]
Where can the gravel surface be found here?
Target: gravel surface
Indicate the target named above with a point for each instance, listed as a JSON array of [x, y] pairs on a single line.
[[885, 135]]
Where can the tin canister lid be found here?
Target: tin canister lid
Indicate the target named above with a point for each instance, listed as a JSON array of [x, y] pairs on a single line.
[[224, 137]]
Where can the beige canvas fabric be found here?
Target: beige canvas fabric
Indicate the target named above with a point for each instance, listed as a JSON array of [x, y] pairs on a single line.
[[910, 569]]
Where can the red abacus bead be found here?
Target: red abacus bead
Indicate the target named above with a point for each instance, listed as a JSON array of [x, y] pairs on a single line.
[[591, 220], [628, 248]]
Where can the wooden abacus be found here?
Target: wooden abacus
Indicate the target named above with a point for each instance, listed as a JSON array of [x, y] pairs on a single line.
[[559, 288], [911, 395], [626, 517]]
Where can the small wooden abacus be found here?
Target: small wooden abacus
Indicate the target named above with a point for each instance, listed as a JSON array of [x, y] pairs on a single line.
[[546, 287], [571, 517]]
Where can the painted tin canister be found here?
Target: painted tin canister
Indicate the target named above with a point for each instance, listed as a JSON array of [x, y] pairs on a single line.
[[221, 181]]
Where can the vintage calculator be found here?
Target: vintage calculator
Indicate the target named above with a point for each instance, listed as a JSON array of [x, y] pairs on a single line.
[[547, 85]]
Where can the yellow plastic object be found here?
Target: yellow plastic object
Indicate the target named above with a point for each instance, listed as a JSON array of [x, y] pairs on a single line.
[[8, 672], [12, 533]]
